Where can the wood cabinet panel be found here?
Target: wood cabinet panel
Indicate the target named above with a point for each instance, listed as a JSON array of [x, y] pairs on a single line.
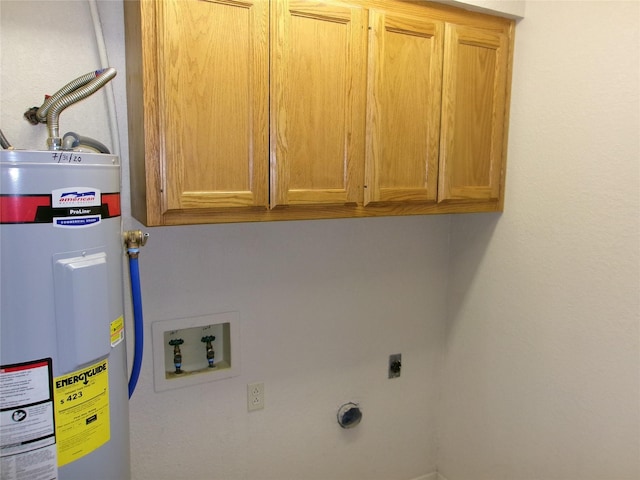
[[473, 113], [213, 102], [318, 84], [204, 103], [403, 108]]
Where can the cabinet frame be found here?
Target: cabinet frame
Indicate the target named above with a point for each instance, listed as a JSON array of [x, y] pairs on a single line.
[[148, 171]]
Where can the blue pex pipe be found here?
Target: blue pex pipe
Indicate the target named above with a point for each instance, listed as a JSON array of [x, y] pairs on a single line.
[[136, 294]]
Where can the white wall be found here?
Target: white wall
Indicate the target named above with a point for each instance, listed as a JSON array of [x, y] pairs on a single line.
[[541, 363], [541, 373], [322, 304], [504, 8]]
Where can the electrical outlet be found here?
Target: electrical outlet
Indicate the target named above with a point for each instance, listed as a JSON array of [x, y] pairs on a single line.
[[395, 365], [255, 396]]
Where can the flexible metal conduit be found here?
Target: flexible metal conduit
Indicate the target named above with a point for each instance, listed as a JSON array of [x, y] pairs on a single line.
[[4, 143], [41, 113], [101, 78]]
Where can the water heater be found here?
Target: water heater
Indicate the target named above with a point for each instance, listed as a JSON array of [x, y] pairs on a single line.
[[63, 370]]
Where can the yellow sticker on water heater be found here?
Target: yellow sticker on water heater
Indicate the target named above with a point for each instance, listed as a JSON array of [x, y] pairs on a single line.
[[117, 331], [82, 411]]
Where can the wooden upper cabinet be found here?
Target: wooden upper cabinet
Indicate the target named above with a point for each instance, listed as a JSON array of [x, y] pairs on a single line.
[[205, 101], [473, 114], [403, 108], [257, 110], [318, 62], [213, 92]]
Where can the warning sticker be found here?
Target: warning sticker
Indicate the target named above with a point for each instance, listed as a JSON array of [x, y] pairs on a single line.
[[27, 430], [25, 383], [82, 411], [117, 331]]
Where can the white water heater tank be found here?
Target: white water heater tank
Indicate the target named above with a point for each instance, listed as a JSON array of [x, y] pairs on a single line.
[[63, 371]]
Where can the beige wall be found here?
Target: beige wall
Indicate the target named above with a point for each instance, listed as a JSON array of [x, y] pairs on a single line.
[[322, 304], [541, 340], [506, 8], [541, 373]]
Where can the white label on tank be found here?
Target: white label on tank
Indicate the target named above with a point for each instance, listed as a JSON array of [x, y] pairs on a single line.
[[27, 433], [76, 207]]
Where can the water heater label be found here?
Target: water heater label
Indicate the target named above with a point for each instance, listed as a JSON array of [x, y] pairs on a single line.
[[82, 411], [75, 197], [27, 429], [76, 207], [117, 331]]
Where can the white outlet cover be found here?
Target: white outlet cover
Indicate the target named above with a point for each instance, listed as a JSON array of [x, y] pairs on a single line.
[[255, 396], [158, 329]]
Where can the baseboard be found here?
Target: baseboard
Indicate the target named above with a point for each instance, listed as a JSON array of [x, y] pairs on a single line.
[[429, 476]]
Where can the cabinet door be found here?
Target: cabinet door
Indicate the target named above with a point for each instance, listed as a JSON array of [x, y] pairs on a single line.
[[403, 108], [213, 103], [473, 114], [317, 94]]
